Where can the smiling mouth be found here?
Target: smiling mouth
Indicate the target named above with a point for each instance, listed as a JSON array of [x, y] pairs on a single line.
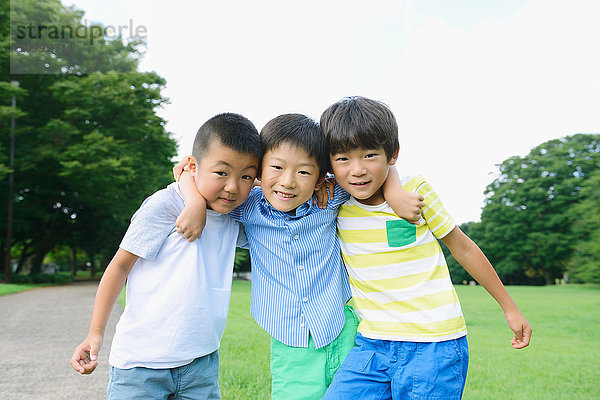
[[360, 183], [285, 195]]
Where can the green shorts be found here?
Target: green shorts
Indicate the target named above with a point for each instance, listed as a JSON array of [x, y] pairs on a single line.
[[305, 373]]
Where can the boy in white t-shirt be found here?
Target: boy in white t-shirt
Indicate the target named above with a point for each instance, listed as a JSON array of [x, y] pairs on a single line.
[[166, 342]]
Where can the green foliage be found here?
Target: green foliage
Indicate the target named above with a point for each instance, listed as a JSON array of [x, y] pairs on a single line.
[[90, 146], [40, 278], [83, 52], [526, 222], [584, 265], [242, 260]]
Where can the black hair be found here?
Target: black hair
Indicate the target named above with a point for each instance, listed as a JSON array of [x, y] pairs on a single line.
[[300, 131], [358, 122], [231, 130]]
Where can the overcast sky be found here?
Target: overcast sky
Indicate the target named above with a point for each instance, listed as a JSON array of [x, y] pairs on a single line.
[[470, 82]]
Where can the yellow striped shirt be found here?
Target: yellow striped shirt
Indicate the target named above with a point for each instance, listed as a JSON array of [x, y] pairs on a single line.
[[401, 288]]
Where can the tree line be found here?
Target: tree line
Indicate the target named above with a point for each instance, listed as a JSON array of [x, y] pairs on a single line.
[[89, 144], [541, 218], [90, 147]]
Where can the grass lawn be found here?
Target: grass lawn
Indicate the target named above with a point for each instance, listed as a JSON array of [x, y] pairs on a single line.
[[561, 363], [10, 288]]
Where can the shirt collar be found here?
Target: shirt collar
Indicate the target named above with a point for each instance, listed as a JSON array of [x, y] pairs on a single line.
[[302, 210]]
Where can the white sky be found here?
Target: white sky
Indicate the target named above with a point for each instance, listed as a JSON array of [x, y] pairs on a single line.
[[470, 82]]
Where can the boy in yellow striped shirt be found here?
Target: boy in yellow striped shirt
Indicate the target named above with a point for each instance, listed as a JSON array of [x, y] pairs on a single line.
[[411, 341]]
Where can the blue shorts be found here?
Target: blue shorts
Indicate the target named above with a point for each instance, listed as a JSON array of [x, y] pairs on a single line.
[[383, 369], [196, 380]]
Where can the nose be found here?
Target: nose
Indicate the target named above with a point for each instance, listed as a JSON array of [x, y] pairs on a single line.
[[287, 179], [231, 186], [357, 169]]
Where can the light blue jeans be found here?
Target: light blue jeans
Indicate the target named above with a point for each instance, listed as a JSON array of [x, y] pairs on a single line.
[[198, 380]]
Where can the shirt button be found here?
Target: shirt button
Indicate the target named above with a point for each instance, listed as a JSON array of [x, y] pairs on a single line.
[[295, 236], [305, 299], [300, 267]]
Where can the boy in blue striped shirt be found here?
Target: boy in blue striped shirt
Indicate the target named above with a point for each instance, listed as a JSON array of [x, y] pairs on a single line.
[[299, 284]]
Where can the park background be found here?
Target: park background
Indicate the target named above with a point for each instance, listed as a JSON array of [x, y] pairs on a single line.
[[498, 105]]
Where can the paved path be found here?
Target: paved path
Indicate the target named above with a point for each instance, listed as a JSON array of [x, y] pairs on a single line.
[[39, 329]]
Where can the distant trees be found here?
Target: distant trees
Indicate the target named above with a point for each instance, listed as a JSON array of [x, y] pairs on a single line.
[[541, 217], [90, 146]]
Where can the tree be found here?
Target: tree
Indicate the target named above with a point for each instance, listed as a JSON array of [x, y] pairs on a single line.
[[526, 222], [90, 147], [584, 265]]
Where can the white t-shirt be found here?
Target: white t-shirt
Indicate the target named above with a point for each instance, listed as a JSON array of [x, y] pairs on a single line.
[[177, 292]]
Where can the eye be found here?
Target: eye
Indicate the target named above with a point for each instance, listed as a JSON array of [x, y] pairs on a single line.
[[304, 172], [277, 167], [371, 155], [221, 173], [248, 178], [340, 159]]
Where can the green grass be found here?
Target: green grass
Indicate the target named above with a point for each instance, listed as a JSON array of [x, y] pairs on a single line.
[[561, 362], [562, 359], [10, 288], [244, 352]]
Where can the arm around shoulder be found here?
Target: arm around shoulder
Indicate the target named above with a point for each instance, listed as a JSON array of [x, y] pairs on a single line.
[[470, 256], [405, 204], [85, 356], [190, 223]]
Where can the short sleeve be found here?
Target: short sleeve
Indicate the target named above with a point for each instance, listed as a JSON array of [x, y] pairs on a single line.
[[438, 220], [152, 223], [242, 239]]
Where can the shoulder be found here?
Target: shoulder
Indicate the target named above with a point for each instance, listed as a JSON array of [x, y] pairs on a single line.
[[164, 201], [412, 183]]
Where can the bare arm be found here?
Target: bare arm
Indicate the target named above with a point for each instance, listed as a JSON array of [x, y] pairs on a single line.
[[192, 219], [405, 204], [470, 256], [84, 358]]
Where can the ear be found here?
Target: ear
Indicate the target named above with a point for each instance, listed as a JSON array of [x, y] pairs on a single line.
[[319, 183], [394, 157], [192, 166]]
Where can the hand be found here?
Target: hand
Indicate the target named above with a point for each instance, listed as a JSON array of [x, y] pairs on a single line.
[[521, 328], [405, 204], [413, 204], [180, 167], [324, 193], [192, 220], [85, 357]]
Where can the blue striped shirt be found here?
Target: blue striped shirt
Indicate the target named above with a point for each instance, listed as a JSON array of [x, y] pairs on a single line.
[[299, 283]]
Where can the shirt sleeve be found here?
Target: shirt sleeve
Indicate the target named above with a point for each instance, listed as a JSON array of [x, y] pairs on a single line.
[[242, 239], [340, 196], [151, 224], [438, 220], [240, 212]]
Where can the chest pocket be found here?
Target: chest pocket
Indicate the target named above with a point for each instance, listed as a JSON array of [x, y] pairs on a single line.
[[400, 233]]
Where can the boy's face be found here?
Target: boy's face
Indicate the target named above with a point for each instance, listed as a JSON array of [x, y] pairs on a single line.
[[362, 172], [224, 176], [289, 177]]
